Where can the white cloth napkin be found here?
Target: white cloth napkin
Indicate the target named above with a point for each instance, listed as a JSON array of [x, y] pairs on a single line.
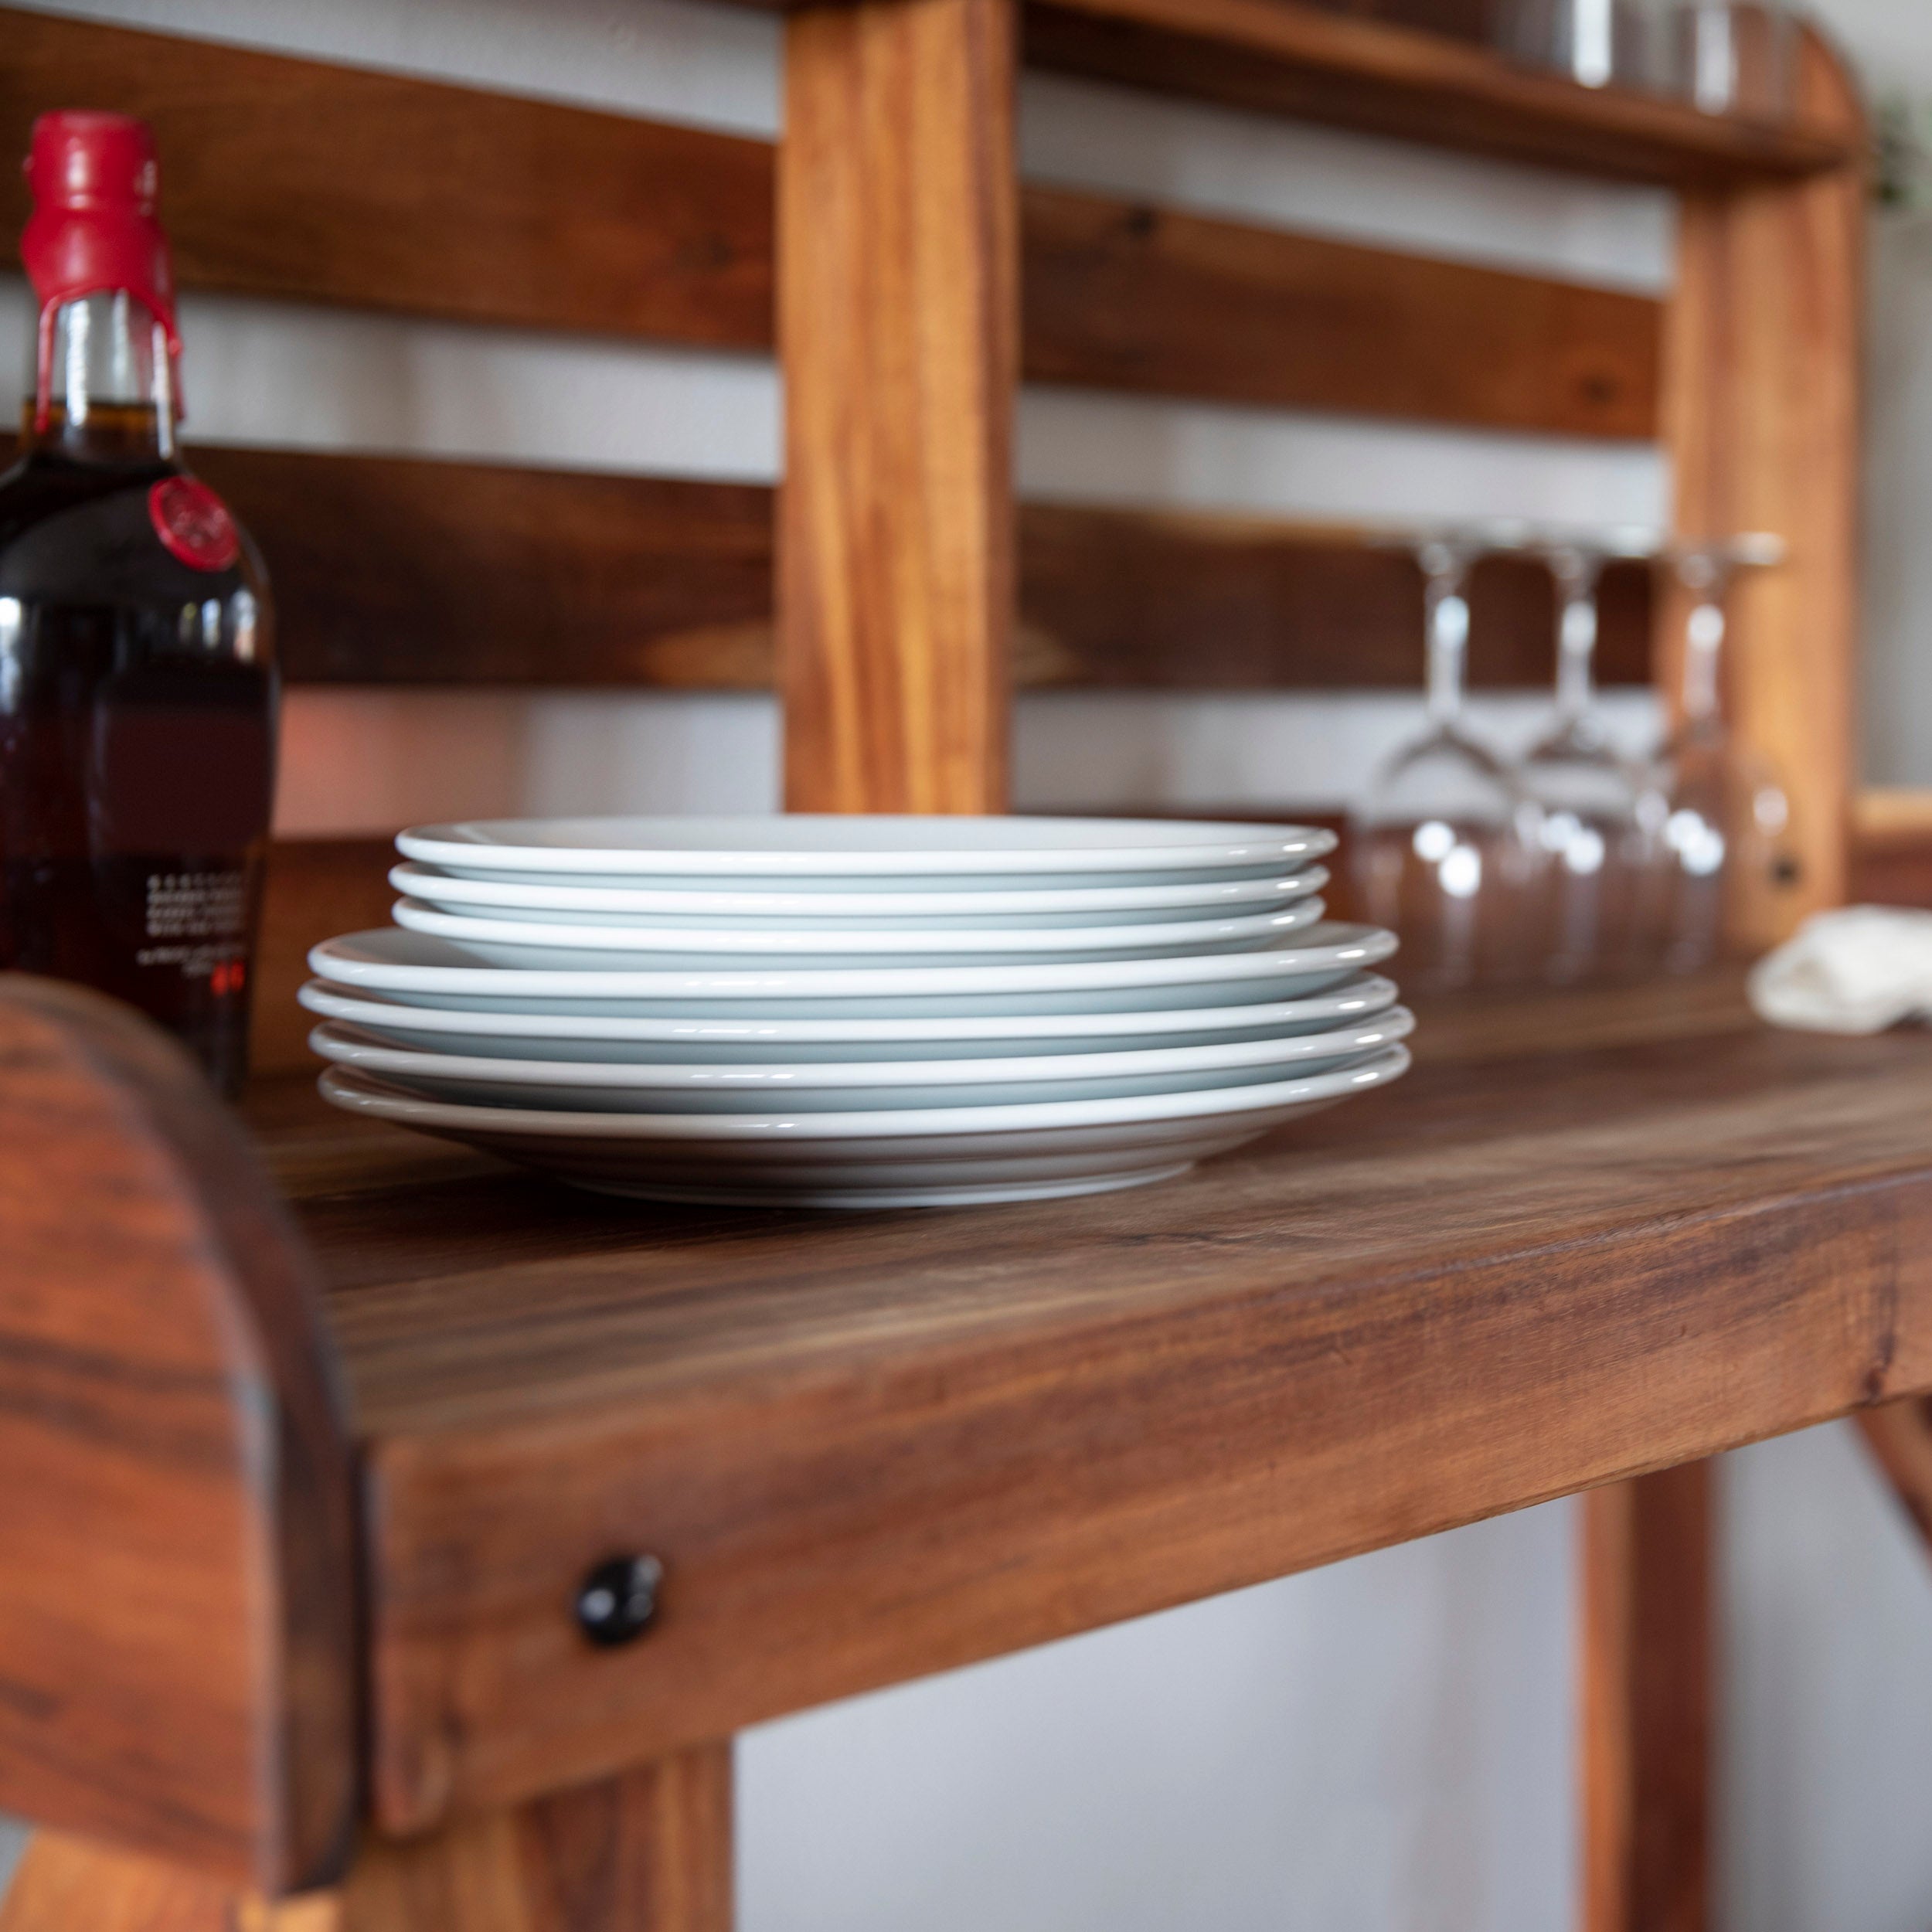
[[1857, 971]]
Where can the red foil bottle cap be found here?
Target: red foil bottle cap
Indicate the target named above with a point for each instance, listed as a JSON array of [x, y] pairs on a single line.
[[95, 179]]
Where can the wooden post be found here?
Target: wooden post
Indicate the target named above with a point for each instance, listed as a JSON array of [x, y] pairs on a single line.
[[649, 1851], [1761, 419], [1645, 1701], [897, 324], [178, 1587]]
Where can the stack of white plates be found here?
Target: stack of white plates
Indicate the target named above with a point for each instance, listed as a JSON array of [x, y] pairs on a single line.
[[855, 1012]]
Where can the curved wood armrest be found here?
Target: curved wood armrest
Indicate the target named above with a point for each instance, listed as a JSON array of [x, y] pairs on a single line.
[[177, 1625]]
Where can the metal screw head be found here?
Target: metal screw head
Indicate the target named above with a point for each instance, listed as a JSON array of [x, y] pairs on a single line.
[[616, 1600]]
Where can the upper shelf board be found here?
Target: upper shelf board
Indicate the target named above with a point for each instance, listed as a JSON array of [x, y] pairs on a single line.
[[1274, 56]]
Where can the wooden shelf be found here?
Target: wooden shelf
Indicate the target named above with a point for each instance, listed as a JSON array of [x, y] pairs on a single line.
[[1275, 57], [1590, 1236]]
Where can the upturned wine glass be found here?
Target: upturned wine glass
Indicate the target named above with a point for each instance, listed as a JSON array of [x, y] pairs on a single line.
[[1595, 42], [1442, 843], [1595, 836], [1724, 815], [1732, 56]]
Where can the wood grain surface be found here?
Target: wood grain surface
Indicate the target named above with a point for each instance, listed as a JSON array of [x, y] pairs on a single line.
[[1645, 1715], [870, 1447], [314, 889], [394, 571], [1385, 79], [308, 182], [649, 1851], [1146, 298], [293, 178], [1762, 419], [898, 331], [177, 1605]]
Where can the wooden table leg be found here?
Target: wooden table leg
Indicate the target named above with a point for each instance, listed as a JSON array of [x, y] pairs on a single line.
[[648, 1852], [1644, 1705], [1899, 1437]]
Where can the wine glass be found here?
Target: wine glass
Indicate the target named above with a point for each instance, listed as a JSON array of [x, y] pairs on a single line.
[[1594, 831], [1732, 56], [1442, 845], [1594, 42], [1724, 815]]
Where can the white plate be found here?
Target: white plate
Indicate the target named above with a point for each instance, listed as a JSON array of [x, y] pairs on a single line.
[[884, 906], [720, 1042], [538, 945], [750, 1088], [915, 1157], [844, 853], [421, 971]]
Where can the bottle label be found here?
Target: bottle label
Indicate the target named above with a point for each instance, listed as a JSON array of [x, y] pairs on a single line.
[[194, 523], [199, 919]]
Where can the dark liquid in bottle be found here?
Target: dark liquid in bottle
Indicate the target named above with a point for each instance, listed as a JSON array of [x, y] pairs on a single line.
[[137, 718]]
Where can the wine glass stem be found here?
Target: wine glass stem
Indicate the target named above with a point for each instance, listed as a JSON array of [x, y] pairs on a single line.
[[1703, 641], [1577, 574], [1447, 614], [1577, 648]]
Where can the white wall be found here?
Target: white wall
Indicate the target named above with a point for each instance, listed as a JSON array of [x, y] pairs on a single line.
[[1384, 1745]]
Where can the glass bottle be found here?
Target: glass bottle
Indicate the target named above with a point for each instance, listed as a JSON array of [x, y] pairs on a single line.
[[138, 691]]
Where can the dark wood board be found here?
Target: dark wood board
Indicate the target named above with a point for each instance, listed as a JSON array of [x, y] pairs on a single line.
[[871, 1447], [390, 570], [1127, 297], [301, 180], [306, 182]]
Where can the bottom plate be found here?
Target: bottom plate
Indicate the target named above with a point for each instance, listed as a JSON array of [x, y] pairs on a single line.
[[907, 1157]]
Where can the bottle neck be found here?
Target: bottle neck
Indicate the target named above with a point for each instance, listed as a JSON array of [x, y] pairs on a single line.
[[101, 390]]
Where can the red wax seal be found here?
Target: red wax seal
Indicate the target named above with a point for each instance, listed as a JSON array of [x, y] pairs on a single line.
[[194, 523], [95, 179]]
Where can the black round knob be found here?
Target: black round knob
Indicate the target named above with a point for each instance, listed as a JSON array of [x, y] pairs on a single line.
[[617, 1600]]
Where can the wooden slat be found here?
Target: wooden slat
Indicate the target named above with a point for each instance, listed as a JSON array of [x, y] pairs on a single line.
[[315, 888], [295, 180], [1891, 862], [179, 1633], [1138, 297], [292, 179], [1137, 599], [1273, 57], [867, 1448], [1762, 423], [1644, 1704], [395, 571], [898, 332], [392, 571]]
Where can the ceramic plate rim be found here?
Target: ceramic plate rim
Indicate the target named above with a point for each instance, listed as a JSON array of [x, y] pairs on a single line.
[[785, 944], [1366, 946], [456, 1020], [410, 878], [1392, 1025], [351, 1091], [1169, 845]]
